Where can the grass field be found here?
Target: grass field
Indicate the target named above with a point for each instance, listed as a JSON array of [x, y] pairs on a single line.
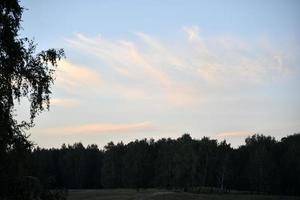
[[154, 194]]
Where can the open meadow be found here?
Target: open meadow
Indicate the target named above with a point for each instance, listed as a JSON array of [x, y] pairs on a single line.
[[154, 194]]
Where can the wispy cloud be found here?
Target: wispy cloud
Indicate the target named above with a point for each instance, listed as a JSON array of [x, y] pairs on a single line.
[[233, 134], [138, 69], [193, 32], [177, 72], [64, 102], [73, 76], [102, 128], [228, 60]]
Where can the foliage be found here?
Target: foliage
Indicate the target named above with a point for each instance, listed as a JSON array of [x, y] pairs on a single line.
[[263, 165], [23, 73]]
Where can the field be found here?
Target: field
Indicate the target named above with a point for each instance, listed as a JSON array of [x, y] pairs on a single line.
[[154, 194]]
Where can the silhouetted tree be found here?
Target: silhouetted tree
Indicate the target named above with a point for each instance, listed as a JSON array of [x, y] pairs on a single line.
[[289, 164], [206, 150], [262, 165], [185, 162], [164, 163], [112, 168], [23, 73], [138, 169], [224, 165]]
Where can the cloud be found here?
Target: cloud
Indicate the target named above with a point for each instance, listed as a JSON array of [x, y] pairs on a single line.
[[234, 134], [229, 61], [132, 65], [101, 128], [69, 103], [193, 32], [178, 72], [73, 77]]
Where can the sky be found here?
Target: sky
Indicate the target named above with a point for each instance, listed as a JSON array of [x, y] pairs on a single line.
[[150, 69]]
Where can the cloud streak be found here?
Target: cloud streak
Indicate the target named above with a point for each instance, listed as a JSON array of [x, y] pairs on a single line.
[[101, 128], [73, 77], [178, 72], [68, 103], [234, 134]]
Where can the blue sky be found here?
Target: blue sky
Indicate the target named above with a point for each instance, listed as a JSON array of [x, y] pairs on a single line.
[[136, 69]]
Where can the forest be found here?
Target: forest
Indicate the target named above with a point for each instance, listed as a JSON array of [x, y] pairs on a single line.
[[262, 165]]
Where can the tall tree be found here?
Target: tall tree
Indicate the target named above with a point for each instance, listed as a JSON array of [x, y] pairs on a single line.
[[289, 164], [23, 73], [185, 160], [112, 168], [223, 165], [260, 165]]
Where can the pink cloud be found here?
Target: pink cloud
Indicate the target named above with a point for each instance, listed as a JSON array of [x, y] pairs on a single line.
[[232, 134], [72, 76], [102, 128], [64, 102]]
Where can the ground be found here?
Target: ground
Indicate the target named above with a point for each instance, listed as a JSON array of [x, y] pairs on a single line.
[[154, 194]]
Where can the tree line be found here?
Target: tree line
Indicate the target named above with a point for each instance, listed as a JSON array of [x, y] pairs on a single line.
[[262, 165]]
